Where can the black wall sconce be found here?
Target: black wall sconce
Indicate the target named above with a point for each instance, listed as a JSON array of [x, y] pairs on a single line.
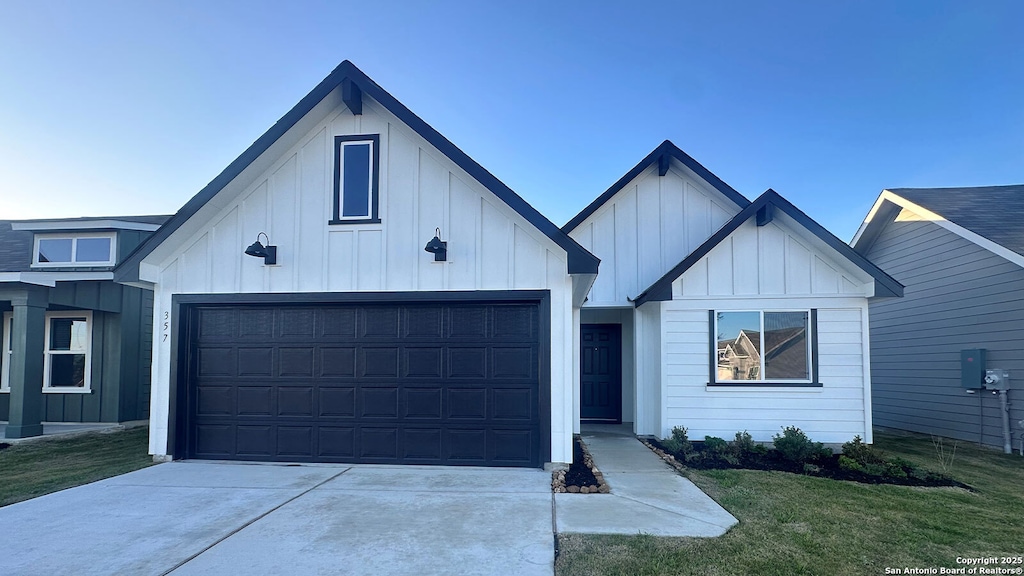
[[268, 252], [438, 248]]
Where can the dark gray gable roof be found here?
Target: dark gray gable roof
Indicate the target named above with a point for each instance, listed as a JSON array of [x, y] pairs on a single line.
[[993, 212], [16, 245], [15, 248], [662, 289], [665, 149], [580, 260]]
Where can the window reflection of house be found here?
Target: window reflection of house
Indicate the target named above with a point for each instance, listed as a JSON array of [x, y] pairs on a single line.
[[739, 358]]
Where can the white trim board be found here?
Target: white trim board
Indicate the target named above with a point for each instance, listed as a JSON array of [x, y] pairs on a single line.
[[893, 198]]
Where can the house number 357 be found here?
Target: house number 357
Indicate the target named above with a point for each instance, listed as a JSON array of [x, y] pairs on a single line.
[[167, 323]]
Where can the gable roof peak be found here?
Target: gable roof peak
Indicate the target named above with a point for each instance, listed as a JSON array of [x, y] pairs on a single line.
[[661, 289], [580, 261], [659, 155]]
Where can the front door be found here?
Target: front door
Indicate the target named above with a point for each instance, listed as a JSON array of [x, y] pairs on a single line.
[[601, 372]]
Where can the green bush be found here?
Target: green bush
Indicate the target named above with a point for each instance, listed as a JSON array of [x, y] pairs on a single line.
[[796, 447], [862, 453], [744, 445], [718, 450], [847, 463], [679, 443]]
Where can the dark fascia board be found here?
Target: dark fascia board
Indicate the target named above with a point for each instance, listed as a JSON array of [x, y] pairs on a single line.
[[580, 261], [661, 290], [665, 149]]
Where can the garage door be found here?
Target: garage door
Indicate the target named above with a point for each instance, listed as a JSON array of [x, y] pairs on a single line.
[[414, 383]]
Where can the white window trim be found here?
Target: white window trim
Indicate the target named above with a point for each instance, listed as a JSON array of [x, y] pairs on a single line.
[[762, 367], [87, 388], [5, 369], [74, 250], [373, 169]]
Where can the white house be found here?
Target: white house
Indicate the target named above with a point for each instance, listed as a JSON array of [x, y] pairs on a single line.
[[354, 288], [692, 273]]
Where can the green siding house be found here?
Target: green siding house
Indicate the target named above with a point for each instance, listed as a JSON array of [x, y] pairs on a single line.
[[74, 345]]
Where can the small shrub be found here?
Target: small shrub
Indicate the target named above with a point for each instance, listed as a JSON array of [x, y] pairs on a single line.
[[679, 443], [944, 453], [717, 450], [898, 468], [847, 463], [796, 447], [745, 447], [811, 469], [861, 453]]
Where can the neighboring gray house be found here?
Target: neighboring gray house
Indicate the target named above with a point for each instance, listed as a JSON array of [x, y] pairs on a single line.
[[960, 254], [76, 346]]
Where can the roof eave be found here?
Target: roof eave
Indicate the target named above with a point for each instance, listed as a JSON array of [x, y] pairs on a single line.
[[661, 290], [579, 260], [664, 150]]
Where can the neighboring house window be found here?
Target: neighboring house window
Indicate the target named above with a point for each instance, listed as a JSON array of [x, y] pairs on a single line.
[[67, 353], [79, 250], [356, 167], [764, 347], [5, 353]]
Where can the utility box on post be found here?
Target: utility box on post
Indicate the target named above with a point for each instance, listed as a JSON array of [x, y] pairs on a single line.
[[972, 368]]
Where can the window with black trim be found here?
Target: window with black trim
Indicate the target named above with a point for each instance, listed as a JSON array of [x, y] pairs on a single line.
[[763, 348], [356, 167]]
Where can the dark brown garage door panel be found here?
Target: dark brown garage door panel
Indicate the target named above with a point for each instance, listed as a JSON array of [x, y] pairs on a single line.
[[423, 383]]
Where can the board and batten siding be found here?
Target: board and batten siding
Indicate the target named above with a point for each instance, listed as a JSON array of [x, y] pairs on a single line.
[[768, 260], [647, 228], [769, 267], [958, 295], [490, 246]]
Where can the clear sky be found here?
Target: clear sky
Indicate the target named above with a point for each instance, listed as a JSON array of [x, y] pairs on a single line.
[[131, 107]]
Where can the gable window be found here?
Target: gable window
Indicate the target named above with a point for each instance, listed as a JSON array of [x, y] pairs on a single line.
[[356, 166], [763, 348], [79, 250], [5, 352], [67, 351]]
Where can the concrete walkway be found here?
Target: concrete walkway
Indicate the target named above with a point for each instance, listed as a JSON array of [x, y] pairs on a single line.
[[185, 518], [647, 496]]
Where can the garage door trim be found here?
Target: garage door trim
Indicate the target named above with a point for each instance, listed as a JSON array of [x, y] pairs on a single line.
[[181, 330]]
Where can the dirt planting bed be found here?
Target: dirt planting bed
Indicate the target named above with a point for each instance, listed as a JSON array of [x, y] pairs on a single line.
[[582, 477]]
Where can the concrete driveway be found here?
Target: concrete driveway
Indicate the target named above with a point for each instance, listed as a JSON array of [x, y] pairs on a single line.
[[219, 518]]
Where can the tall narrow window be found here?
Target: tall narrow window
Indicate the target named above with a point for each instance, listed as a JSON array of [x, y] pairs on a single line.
[[6, 353], [67, 351], [763, 347], [356, 164]]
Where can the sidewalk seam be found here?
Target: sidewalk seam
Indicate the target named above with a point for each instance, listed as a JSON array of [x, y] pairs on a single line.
[[251, 522]]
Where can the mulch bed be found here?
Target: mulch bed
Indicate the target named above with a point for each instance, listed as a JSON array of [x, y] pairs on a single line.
[[823, 468], [582, 477]]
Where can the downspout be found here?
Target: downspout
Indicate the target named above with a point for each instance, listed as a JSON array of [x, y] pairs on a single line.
[[1004, 406]]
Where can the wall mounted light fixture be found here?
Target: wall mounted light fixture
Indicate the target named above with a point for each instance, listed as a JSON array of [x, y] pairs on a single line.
[[268, 252], [438, 248]]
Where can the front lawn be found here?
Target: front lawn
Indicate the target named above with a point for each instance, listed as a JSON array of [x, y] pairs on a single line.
[[792, 524], [32, 469]]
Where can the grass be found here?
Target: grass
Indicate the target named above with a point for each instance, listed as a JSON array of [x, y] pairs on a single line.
[[793, 525], [32, 469]]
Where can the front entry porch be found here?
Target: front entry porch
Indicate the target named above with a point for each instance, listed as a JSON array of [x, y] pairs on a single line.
[[607, 368]]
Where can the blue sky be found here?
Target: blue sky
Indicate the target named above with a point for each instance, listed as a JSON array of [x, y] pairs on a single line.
[[111, 108]]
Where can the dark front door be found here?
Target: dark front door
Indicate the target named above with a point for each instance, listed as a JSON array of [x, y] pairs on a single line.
[[386, 383], [601, 372]]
